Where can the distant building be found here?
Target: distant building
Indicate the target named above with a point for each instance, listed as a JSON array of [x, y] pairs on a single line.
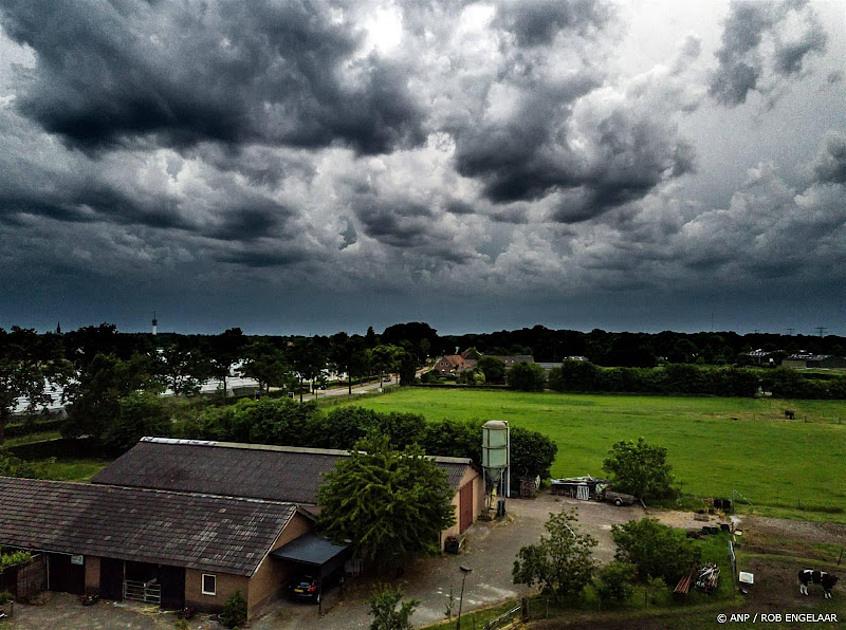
[[810, 360], [469, 359], [761, 357]]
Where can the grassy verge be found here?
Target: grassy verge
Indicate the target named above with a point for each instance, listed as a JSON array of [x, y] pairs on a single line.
[[41, 436], [724, 447], [81, 469]]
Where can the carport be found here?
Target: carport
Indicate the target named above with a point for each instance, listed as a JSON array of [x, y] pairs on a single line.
[[318, 556]]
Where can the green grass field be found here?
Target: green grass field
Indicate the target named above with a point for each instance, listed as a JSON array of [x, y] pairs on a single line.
[[716, 445]]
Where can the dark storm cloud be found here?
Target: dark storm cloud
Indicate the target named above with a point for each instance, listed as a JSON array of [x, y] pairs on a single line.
[[743, 63], [830, 166], [86, 200], [401, 225], [537, 22], [233, 72], [247, 224], [261, 259]]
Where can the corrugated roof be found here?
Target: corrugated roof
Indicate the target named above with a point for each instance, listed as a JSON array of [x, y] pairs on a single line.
[[277, 473], [209, 533]]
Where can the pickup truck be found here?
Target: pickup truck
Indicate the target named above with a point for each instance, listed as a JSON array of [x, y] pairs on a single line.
[[619, 498]]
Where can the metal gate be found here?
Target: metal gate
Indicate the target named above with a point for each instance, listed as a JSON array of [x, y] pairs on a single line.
[[582, 492], [31, 578], [147, 592]]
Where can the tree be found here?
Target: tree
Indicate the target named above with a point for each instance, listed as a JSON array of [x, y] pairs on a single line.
[[640, 469], [384, 358], [139, 414], [493, 369], [184, 368], [267, 364], [562, 562], [614, 581], [656, 550], [308, 358], [384, 612], [391, 504], [225, 351], [532, 453], [407, 364], [527, 377], [23, 374], [95, 394]]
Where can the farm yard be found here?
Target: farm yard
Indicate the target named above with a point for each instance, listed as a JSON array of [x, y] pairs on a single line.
[[786, 468]]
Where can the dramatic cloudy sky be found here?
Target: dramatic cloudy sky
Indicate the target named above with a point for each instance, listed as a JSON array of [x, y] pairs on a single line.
[[310, 166]]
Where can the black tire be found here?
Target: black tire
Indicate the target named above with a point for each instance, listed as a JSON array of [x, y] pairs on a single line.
[[618, 502]]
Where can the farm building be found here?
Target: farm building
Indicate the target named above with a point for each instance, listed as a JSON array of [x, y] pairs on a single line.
[[275, 473], [176, 549]]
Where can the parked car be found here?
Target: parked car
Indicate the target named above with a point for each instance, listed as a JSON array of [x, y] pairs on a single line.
[[619, 498], [305, 587]]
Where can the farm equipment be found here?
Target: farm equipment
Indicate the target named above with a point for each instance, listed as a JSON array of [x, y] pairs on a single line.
[[619, 498]]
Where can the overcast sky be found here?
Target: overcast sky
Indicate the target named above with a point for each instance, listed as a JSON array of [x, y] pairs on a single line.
[[315, 166]]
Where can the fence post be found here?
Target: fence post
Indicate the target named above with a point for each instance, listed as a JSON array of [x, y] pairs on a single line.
[[524, 608]]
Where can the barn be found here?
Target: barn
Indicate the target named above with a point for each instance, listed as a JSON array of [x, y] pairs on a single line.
[[275, 473], [175, 549]]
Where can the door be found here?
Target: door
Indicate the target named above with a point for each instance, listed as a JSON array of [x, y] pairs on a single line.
[[64, 575], [111, 579], [465, 507], [172, 580]]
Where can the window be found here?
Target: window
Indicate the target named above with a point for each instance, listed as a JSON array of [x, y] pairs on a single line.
[[209, 584]]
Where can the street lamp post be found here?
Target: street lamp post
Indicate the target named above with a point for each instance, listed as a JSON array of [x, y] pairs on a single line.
[[464, 572]]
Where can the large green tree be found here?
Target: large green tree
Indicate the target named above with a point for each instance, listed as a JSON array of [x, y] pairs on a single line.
[[139, 414], [641, 469], [96, 392], [391, 504], [655, 549], [562, 562], [24, 374], [267, 363]]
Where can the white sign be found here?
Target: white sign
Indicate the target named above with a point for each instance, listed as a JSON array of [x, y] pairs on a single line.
[[78, 560]]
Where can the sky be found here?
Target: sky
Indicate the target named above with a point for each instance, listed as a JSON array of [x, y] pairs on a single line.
[[307, 167]]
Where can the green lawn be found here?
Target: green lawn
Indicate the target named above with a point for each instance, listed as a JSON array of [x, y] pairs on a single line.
[[716, 445], [81, 469]]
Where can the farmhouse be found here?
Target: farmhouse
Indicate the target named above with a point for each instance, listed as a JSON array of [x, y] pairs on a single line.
[[176, 549], [258, 471], [469, 359]]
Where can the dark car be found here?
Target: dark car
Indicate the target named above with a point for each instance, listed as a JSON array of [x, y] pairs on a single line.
[[305, 587], [619, 498]]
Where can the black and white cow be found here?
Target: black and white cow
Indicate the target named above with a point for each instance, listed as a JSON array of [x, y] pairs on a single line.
[[811, 576]]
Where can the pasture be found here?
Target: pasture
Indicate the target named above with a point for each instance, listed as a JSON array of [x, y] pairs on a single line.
[[717, 446]]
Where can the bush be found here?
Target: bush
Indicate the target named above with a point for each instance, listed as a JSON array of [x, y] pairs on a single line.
[[139, 414], [384, 612], [614, 581], [8, 560], [5, 597], [234, 611], [656, 550], [527, 377]]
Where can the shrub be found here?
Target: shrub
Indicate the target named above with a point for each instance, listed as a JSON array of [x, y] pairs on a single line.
[[527, 377], [384, 612], [8, 560], [5, 597], [614, 581], [234, 611]]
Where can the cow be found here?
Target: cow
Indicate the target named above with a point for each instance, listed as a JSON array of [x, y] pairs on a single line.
[[812, 576]]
